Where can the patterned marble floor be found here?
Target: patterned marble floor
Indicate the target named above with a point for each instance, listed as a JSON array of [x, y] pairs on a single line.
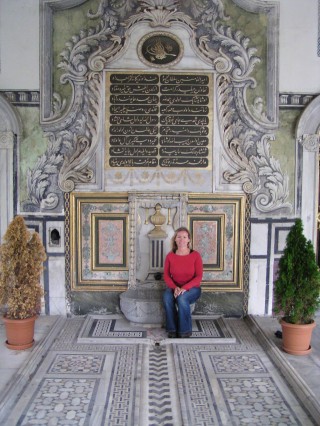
[[105, 371]]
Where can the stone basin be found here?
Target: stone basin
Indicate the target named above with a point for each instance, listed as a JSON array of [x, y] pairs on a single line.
[[143, 306]]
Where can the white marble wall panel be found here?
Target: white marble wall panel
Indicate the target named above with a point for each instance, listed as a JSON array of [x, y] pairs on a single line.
[[268, 241], [278, 235], [6, 180], [299, 64], [57, 291], [258, 274], [259, 239], [309, 192], [165, 180], [19, 44]]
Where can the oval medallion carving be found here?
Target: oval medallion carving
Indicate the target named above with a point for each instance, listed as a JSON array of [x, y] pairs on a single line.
[[160, 49]]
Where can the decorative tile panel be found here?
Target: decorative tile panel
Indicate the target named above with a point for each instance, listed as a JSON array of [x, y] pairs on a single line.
[[99, 229], [217, 226]]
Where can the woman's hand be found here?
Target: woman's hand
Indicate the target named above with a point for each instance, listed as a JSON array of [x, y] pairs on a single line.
[[178, 291]]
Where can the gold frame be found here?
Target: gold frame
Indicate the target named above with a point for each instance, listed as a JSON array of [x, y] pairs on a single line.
[[95, 240], [208, 206], [230, 209], [210, 218], [106, 279]]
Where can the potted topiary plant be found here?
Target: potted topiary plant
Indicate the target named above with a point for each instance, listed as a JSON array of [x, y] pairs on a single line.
[[296, 291], [21, 263]]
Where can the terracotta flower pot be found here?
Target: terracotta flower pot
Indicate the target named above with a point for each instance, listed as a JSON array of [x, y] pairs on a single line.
[[19, 333], [296, 338]]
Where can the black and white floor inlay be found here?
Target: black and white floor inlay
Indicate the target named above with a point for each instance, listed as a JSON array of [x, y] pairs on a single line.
[[108, 328], [142, 382]]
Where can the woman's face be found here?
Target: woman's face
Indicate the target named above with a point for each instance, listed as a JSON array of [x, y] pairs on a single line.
[[182, 239]]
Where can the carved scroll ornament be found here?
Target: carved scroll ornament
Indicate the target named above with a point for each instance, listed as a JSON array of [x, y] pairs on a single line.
[[245, 135]]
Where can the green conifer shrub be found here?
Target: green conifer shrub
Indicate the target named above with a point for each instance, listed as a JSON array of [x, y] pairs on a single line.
[[297, 287]]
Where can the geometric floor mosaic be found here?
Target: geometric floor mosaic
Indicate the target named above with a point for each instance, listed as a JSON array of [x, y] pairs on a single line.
[[233, 389], [174, 383], [99, 329]]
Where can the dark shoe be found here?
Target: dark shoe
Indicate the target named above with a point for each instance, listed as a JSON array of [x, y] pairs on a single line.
[[185, 335], [172, 334]]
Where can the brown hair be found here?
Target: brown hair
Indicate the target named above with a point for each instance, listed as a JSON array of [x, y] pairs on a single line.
[[173, 239]]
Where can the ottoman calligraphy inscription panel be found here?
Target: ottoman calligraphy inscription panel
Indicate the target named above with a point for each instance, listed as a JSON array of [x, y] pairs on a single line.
[[158, 120]]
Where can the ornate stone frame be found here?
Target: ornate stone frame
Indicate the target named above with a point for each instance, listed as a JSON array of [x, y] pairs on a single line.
[[307, 172], [10, 134], [245, 134]]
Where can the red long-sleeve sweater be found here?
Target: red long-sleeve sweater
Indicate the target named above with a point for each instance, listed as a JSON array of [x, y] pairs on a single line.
[[183, 271]]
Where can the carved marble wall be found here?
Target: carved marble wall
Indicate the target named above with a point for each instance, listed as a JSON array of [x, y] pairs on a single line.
[[244, 123], [235, 42]]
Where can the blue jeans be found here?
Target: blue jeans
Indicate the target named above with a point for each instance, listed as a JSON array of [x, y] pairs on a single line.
[[179, 320]]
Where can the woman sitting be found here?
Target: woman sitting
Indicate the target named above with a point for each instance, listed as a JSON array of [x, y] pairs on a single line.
[[183, 271]]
